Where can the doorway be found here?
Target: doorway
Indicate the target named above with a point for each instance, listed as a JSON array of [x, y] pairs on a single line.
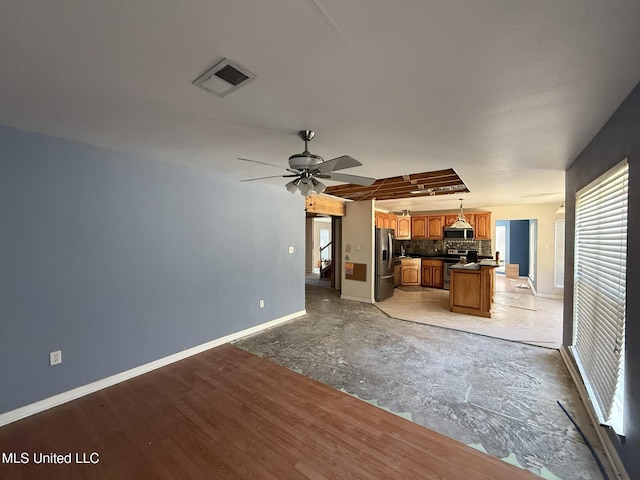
[[516, 240], [322, 243]]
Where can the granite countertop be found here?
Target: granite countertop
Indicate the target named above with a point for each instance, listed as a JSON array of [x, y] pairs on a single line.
[[475, 265], [466, 266], [440, 256]]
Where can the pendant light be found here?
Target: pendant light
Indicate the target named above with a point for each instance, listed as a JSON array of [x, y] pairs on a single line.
[[461, 222]]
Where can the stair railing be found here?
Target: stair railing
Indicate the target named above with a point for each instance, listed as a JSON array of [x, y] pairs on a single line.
[[325, 262]]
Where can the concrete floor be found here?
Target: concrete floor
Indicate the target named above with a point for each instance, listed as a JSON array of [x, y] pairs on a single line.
[[496, 395]]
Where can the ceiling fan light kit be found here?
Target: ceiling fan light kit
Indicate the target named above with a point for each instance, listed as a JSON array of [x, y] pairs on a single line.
[[308, 167], [318, 186], [292, 186]]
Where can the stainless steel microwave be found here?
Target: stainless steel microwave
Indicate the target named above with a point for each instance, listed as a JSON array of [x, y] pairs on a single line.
[[451, 233]]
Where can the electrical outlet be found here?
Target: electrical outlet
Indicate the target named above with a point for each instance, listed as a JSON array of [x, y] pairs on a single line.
[[261, 303], [55, 357]]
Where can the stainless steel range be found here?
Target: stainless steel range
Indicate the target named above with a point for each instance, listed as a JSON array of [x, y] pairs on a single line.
[[456, 253]]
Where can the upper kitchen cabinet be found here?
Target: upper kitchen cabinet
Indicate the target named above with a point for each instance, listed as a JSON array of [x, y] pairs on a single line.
[[429, 227], [471, 219], [451, 219], [480, 221], [419, 227], [385, 220], [435, 225], [379, 220], [403, 227], [482, 226], [392, 221]]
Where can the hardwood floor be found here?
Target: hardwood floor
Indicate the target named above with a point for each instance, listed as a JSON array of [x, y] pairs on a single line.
[[229, 414]]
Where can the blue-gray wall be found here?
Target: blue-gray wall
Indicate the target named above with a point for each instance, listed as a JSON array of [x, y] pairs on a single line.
[[617, 140], [516, 244], [118, 261], [519, 245]]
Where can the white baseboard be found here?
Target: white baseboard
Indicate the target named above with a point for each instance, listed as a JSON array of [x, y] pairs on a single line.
[[610, 451], [64, 397], [357, 299], [553, 296], [543, 295]]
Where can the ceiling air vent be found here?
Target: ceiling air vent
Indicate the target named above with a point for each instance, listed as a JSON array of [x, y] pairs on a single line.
[[223, 78]]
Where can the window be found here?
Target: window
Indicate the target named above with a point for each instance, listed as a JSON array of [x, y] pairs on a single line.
[[599, 309], [558, 276], [324, 241]]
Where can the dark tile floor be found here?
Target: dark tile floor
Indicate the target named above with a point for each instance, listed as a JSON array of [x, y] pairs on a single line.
[[496, 395]]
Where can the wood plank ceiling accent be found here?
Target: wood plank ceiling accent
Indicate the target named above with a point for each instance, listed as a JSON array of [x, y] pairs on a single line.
[[325, 206], [439, 182]]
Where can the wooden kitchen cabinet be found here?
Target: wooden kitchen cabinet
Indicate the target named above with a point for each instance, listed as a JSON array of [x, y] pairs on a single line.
[[432, 273], [471, 219], [403, 227], [480, 221], [435, 224], [451, 219], [419, 227], [410, 271], [429, 227], [385, 220], [482, 226], [392, 221], [471, 290], [379, 220]]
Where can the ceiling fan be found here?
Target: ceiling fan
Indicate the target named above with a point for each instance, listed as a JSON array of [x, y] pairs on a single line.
[[306, 169]]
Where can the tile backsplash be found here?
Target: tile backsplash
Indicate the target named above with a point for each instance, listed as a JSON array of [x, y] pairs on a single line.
[[439, 247]]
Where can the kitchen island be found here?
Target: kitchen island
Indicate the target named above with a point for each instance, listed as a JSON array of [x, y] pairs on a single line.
[[471, 288]]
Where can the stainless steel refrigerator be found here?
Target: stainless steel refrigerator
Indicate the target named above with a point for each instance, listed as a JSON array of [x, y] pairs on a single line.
[[384, 264]]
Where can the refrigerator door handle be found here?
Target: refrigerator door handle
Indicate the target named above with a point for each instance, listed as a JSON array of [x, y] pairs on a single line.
[[390, 246]]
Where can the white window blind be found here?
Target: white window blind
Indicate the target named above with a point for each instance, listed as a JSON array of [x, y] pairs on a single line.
[[600, 291], [559, 255]]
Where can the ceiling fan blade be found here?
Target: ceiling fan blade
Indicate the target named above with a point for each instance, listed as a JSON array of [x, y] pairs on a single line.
[[261, 163], [338, 163], [269, 164], [272, 176], [355, 179]]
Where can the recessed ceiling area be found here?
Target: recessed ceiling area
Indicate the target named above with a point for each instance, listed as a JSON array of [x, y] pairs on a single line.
[[505, 93], [415, 185]]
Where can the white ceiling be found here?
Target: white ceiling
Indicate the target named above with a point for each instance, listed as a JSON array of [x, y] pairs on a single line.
[[505, 92]]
